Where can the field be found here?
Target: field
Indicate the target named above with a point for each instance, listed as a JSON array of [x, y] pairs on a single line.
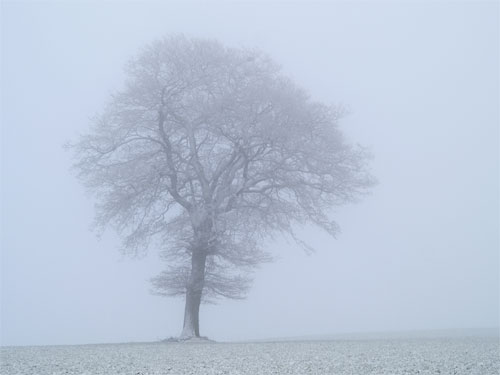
[[362, 356]]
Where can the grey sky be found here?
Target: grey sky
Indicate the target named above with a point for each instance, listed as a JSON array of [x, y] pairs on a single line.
[[421, 252]]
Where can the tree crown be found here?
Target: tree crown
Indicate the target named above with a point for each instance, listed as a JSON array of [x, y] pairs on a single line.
[[213, 149]]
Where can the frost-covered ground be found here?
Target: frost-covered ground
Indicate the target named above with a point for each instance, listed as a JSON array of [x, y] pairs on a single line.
[[388, 356]]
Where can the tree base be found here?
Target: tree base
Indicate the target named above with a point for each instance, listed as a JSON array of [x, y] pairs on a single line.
[[188, 340]]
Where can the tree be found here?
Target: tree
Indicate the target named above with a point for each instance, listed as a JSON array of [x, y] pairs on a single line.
[[205, 153]]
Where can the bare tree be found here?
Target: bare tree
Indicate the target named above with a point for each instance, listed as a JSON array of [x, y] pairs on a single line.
[[206, 152]]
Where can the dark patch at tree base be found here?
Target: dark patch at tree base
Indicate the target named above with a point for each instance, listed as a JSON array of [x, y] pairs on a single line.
[[188, 340]]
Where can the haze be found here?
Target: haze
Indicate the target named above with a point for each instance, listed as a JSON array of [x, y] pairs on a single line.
[[421, 252]]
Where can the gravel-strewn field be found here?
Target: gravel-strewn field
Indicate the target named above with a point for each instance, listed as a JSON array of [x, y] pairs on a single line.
[[396, 356]]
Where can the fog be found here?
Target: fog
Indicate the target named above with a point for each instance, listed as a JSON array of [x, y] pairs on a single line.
[[420, 252]]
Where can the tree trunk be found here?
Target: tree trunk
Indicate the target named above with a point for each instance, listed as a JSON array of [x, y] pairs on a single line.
[[191, 327]]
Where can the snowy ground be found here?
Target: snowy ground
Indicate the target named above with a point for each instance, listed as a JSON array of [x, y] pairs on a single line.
[[388, 356]]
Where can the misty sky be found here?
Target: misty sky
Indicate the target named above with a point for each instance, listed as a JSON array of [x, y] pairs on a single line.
[[421, 252]]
